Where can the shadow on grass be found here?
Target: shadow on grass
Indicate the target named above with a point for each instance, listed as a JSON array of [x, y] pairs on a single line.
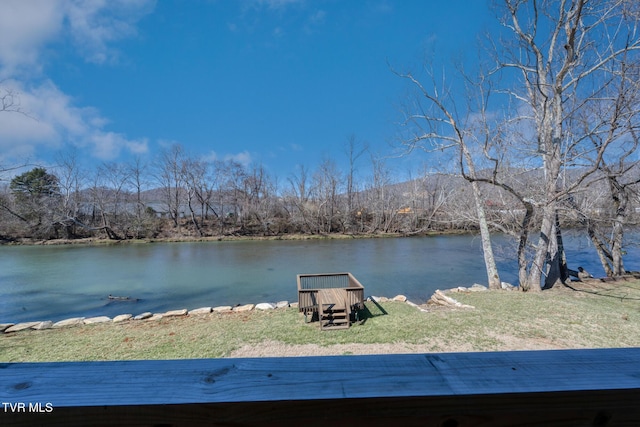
[[371, 309], [622, 288]]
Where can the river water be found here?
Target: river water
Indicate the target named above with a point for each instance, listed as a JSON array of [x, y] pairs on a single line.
[[57, 282]]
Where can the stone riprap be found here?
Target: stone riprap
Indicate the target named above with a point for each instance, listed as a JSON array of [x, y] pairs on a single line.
[[246, 307], [264, 306], [99, 319], [176, 313], [47, 324], [20, 327], [202, 311], [74, 321], [143, 316], [77, 321]]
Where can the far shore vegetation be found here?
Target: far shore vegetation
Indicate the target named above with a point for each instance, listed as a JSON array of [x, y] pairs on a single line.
[[222, 238], [541, 135], [594, 314]]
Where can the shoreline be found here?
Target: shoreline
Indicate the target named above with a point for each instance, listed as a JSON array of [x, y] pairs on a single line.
[[438, 299], [38, 325], [593, 315], [94, 241]]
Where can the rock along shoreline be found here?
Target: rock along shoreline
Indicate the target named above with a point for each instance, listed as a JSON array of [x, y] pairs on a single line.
[[437, 299]]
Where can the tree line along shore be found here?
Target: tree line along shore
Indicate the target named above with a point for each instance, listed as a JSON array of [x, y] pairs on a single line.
[[226, 200]]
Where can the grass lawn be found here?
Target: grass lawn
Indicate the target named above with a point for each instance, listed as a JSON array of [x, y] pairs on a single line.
[[600, 314]]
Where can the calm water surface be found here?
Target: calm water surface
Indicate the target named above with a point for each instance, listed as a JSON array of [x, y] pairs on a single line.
[[56, 282]]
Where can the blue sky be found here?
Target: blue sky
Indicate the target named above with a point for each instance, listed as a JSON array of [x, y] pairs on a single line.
[[273, 82]]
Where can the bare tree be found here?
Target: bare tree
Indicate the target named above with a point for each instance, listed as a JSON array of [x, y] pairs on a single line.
[[326, 191], [435, 192], [107, 193], [564, 53], [143, 221], [194, 174], [9, 100], [170, 177], [617, 125], [354, 150], [297, 200], [434, 123], [260, 190], [233, 188], [383, 203], [71, 180]]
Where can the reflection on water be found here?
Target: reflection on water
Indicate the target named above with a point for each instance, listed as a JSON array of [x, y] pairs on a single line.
[[55, 282]]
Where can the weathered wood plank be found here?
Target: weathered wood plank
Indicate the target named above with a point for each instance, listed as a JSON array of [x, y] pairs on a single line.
[[335, 296], [266, 379], [572, 387]]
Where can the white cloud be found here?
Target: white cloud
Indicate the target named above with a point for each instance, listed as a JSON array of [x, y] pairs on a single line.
[[47, 118], [94, 24], [108, 145], [211, 157], [244, 157], [27, 27]]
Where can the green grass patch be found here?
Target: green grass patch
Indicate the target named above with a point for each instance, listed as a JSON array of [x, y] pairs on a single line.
[[608, 316]]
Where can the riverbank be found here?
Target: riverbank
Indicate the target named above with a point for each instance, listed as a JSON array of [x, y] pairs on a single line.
[[222, 238], [592, 315]]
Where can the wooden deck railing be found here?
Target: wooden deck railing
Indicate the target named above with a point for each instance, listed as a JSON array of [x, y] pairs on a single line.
[[309, 284], [546, 388]]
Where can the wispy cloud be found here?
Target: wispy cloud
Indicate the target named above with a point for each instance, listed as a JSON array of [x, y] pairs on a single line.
[[48, 117], [28, 28], [25, 28], [243, 157], [279, 4], [95, 24], [108, 145], [318, 17]]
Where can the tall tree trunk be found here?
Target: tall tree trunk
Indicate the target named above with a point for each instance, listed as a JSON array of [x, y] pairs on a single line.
[[621, 203], [546, 249], [557, 264], [542, 252], [485, 236], [493, 277]]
